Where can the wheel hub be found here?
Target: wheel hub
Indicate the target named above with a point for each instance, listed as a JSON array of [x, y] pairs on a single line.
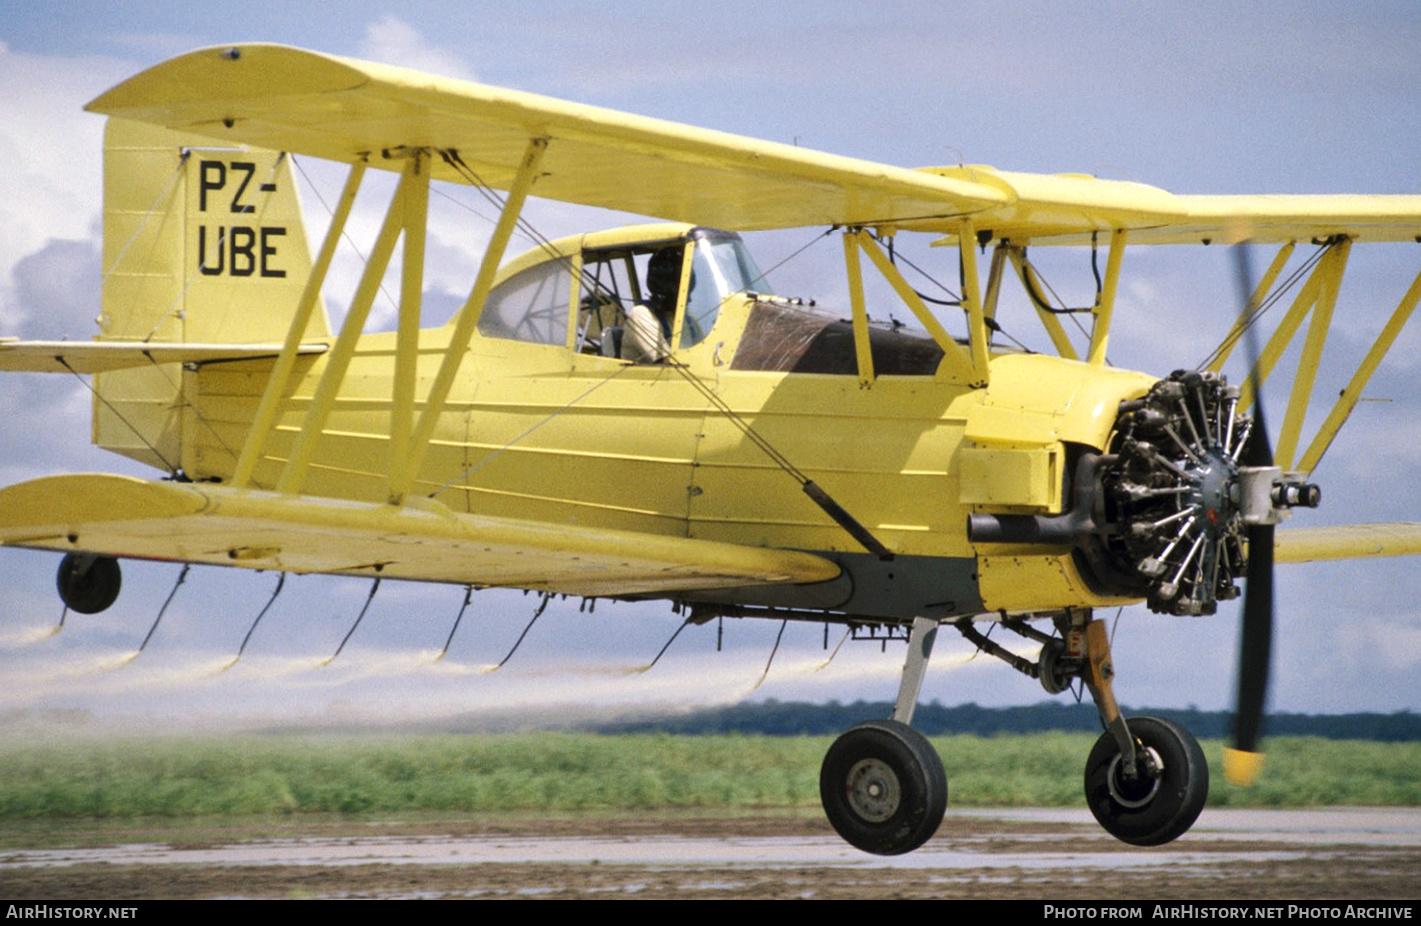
[[1137, 792], [873, 790]]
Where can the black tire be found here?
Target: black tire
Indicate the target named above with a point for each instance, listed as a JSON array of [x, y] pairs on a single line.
[[883, 787], [1152, 810], [88, 584]]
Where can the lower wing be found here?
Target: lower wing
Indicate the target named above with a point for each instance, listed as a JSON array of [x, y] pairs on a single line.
[[423, 540]]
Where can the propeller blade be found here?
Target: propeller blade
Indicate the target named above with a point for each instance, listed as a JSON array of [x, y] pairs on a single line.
[[1259, 450], [1244, 761]]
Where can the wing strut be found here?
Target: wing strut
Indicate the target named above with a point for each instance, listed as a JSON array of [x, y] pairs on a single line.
[[969, 366], [1353, 392], [1262, 365], [310, 297], [1031, 283], [1311, 357], [293, 477], [1324, 270], [972, 296], [416, 214], [862, 344], [468, 317], [1105, 310], [956, 362]]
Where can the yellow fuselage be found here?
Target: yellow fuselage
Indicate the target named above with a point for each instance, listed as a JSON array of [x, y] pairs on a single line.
[[541, 432]]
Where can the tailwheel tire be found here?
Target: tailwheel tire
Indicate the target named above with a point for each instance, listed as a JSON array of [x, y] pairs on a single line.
[[1151, 809], [88, 584], [883, 787]]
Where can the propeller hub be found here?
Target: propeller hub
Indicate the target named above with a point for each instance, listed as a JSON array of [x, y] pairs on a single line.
[[1213, 494]]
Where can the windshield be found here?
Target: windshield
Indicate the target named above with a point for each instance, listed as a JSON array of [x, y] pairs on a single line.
[[734, 268], [720, 267]]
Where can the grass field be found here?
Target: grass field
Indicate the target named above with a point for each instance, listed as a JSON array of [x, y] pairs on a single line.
[[261, 776]]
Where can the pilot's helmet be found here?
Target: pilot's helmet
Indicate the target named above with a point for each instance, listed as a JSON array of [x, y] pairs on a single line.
[[663, 274]]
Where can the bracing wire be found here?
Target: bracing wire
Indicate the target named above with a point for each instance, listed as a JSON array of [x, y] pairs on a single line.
[[152, 210], [475, 467], [172, 470], [1272, 299], [345, 232]]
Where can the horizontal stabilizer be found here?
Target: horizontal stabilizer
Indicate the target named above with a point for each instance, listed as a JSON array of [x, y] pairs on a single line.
[[103, 356], [423, 540]]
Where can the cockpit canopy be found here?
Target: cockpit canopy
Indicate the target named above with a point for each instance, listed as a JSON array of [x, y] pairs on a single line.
[[674, 278], [640, 293]]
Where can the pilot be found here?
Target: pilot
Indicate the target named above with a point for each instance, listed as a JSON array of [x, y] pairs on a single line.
[[648, 332]]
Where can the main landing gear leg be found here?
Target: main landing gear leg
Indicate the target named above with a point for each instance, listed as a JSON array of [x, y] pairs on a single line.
[[915, 668], [882, 783], [1145, 781]]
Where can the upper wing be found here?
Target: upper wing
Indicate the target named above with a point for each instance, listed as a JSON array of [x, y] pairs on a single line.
[[424, 540], [1067, 209], [342, 109], [102, 356], [286, 99]]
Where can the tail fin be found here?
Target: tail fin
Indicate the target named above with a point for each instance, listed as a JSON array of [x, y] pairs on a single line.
[[201, 245]]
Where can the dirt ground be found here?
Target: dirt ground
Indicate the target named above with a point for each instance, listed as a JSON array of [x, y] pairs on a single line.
[[969, 858]]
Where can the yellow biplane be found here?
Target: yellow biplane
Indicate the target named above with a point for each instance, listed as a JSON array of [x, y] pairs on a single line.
[[626, 414]]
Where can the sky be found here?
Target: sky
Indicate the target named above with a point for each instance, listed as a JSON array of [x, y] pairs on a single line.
[[1208, 98]]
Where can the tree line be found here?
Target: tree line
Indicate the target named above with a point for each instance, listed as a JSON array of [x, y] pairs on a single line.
[[796, 718]]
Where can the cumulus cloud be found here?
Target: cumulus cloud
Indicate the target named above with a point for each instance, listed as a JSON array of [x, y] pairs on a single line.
[[393, 41], [56, 290], [51, 187]]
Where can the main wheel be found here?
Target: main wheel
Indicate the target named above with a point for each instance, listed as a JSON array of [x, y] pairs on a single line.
[[1160, 803], [883, 787], [88, 584]]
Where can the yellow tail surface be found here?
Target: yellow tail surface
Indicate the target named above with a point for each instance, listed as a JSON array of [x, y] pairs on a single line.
[[202, 244]]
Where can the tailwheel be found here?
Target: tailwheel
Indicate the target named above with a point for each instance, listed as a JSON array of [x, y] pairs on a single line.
[[1163, 798], [883, 787], [87, 583]]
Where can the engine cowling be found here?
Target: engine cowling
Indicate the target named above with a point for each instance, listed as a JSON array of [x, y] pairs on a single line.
[[1163, 515]]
